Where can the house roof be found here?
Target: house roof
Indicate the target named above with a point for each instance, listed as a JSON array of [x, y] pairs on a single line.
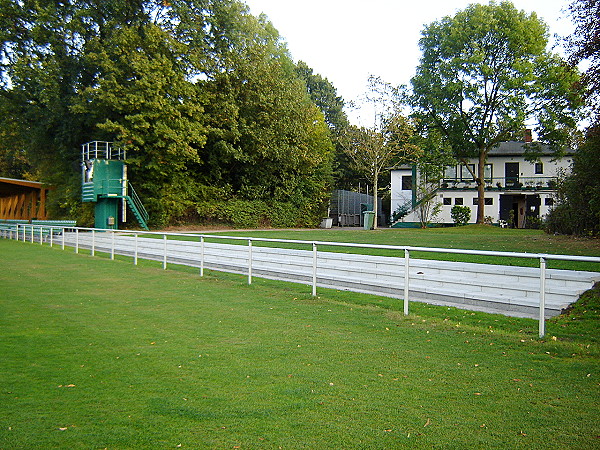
[[517, 148]]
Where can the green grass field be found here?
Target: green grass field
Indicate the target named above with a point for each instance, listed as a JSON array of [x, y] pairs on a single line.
[[102, 354]]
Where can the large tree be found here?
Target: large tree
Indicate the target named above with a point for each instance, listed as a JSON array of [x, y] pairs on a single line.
[[325, 96], [578, 211], [485, 75], [267, 140], [204, 97]]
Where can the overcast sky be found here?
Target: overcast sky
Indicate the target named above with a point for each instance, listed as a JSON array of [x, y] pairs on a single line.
[[345, 41]]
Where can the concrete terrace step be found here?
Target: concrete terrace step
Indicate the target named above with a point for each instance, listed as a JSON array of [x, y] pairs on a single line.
[[506, 289]]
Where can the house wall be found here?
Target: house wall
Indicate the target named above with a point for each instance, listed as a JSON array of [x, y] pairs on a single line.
[[534, 186]]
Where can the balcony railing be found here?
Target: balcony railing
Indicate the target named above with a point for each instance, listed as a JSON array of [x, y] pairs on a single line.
[[503, 184]]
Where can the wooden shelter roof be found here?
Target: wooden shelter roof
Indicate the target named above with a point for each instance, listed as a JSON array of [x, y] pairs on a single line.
[[10, 185]]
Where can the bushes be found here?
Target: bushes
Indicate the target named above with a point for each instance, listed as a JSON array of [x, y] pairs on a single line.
[[460, 214], [256, 213], [578, 209], [561, 220]]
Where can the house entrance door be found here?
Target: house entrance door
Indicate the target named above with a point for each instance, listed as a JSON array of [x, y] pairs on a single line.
[[511, 174], [532, 213], [513, 209]]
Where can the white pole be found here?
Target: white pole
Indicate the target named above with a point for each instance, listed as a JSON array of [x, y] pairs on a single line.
[[32, 234], [112, 244], [42, 235], [406, 279], [93, 242], [76, 240], [51, 236], [542, 296], [135, 254], [63, 238], [164, 252], [201, 256], [314, 272], [249, 261]]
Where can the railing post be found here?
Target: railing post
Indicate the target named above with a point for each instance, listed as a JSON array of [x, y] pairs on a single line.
[[76, 240], [314, 270], [51, 236], [406, 279], [63, 238], [32, 234], [201, 256], [135, 252], [249, 261], [112, 244], [164, 251], [542, 325], [42, 235], [93, 242]]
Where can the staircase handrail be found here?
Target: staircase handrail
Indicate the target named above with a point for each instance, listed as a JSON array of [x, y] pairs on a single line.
[[410, 206], [137, 202]]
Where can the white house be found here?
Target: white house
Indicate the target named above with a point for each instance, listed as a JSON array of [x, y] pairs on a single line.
[[516, 190]]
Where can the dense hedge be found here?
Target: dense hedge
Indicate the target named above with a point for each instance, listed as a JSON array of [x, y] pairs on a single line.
[[256, 213]]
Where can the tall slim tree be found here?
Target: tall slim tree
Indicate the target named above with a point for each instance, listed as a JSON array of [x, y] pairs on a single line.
[[375, 149], [584, 45], [578, 211], [325, 96], [484, 74]]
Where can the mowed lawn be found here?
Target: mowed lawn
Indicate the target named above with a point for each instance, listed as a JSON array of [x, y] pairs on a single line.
[[97, 353]]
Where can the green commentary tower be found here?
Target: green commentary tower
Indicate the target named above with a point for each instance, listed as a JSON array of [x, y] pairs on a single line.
[[104, 182]]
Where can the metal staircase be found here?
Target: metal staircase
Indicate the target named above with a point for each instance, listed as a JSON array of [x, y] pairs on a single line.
[[137, 207], [408, 207]]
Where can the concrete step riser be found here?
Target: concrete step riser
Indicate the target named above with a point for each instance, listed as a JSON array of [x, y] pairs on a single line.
[[510, 289]]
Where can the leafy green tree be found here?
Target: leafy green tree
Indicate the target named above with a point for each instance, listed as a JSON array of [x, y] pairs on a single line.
[[14, 162], [267, 139], [42, 69], [460, 214], [144, 100], [483, 75], [375, 151], [325, 96], [578, 209], [431, 162], [584, 45], [203, 95]]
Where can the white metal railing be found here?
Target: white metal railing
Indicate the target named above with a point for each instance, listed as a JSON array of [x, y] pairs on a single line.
[[101, 150], [51, 234]]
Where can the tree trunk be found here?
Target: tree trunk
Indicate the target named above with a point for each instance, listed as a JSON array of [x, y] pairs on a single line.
[[480, 180], [375, 190]]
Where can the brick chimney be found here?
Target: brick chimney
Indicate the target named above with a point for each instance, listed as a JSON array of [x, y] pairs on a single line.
[[527, 135]]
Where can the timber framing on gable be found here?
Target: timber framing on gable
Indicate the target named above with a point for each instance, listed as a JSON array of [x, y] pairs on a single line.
[[22, 199]]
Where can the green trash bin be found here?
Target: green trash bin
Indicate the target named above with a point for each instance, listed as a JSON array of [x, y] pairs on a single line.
[[369, 219]]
